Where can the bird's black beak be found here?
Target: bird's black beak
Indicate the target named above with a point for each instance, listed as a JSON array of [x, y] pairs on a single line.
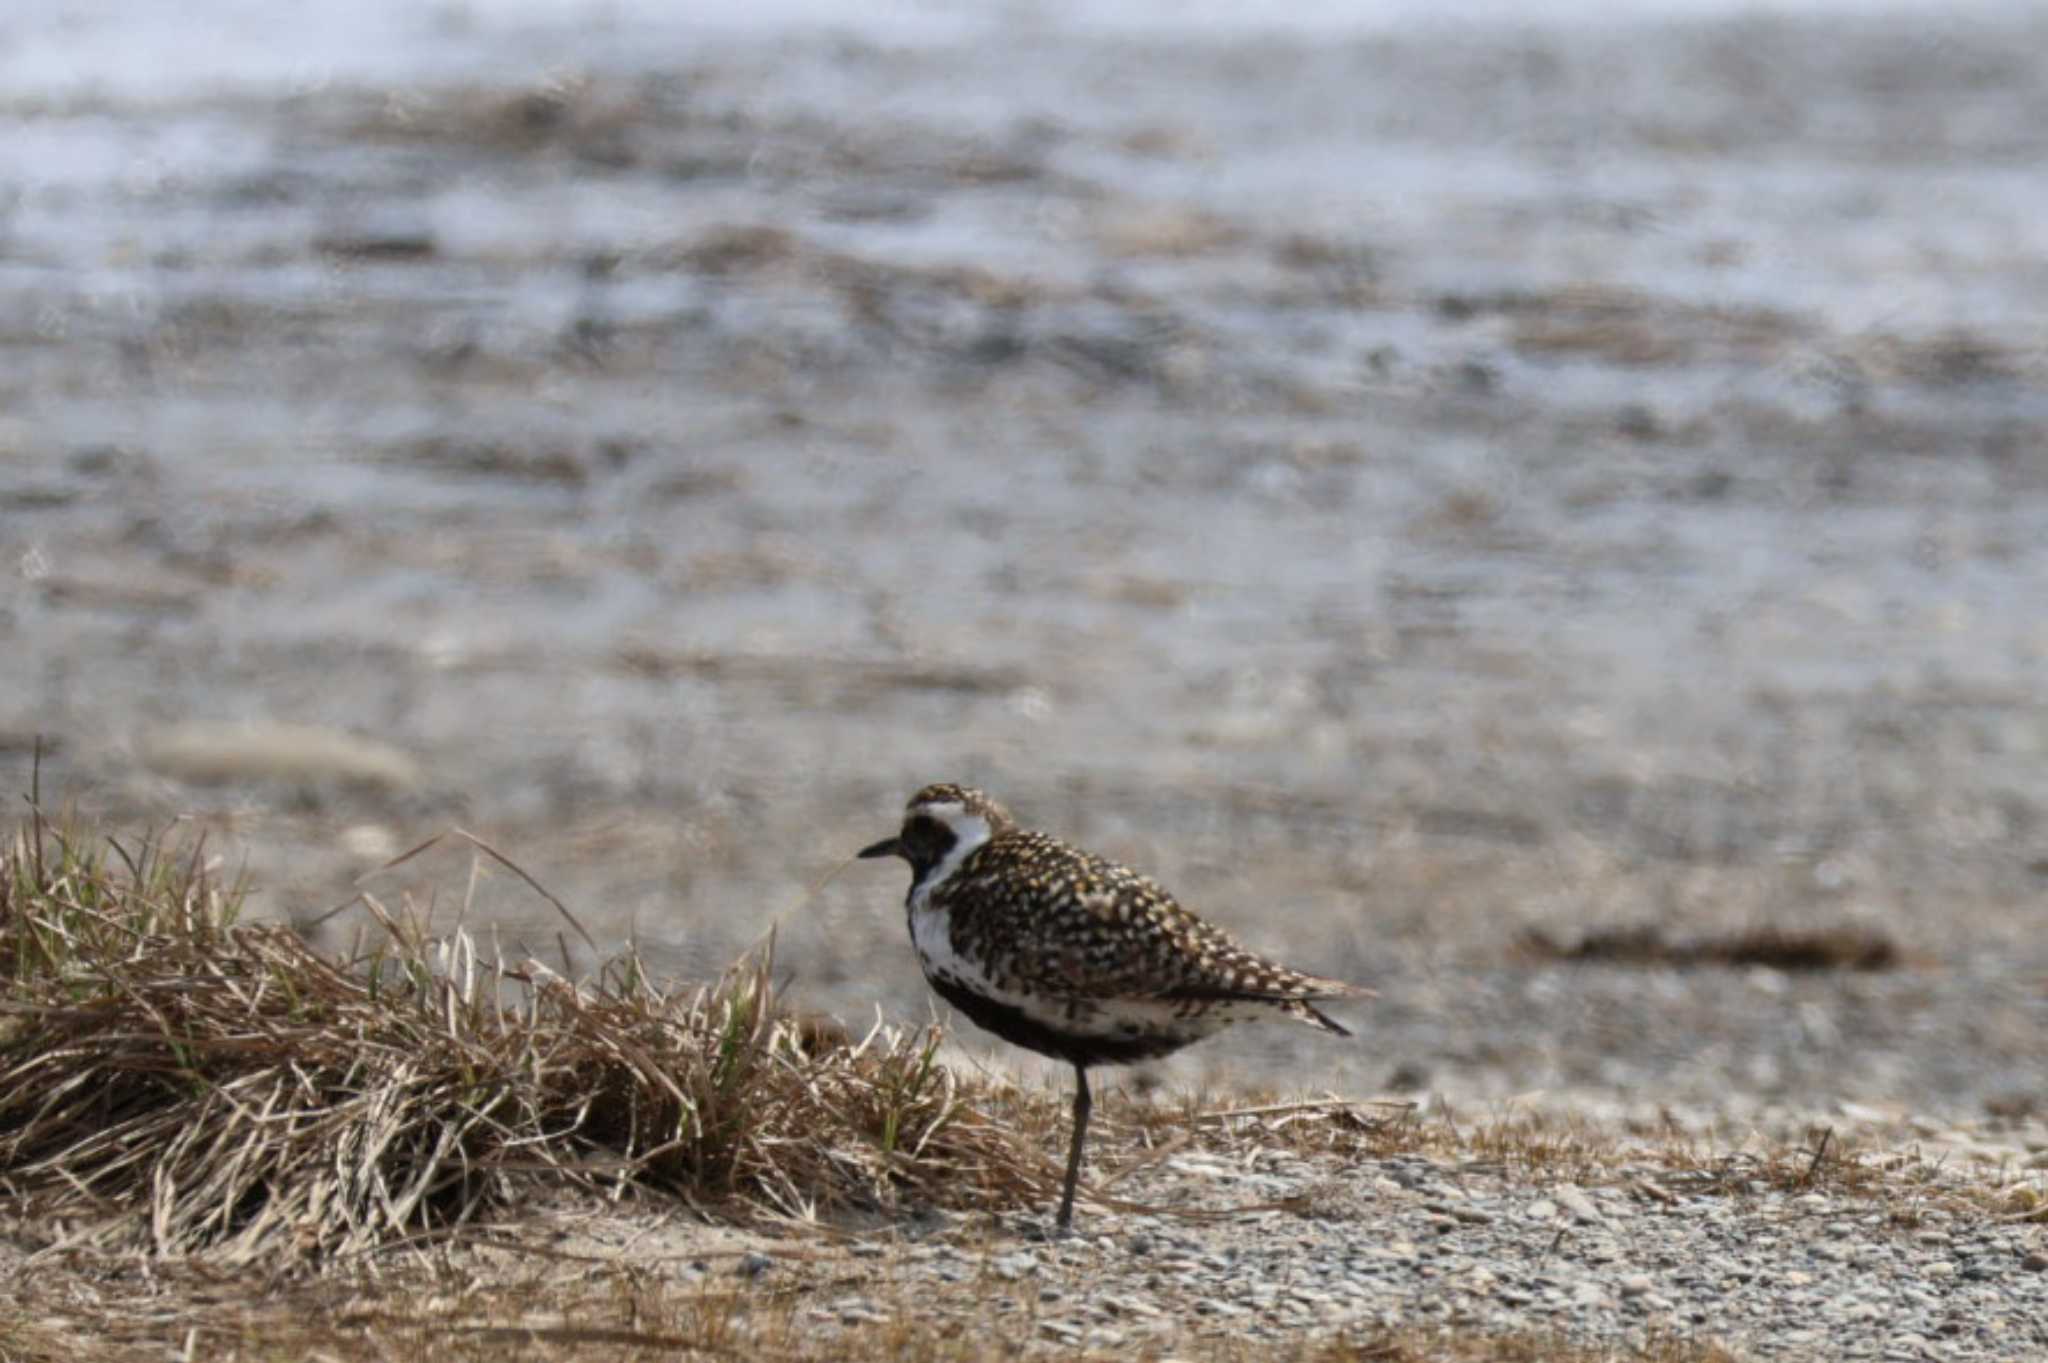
[[887, 847]]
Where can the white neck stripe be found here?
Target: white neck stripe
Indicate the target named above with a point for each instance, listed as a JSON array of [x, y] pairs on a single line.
[[969, 832]]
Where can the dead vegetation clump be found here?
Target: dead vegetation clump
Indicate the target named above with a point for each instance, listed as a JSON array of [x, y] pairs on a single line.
[[1829, 948], [174, 1080]]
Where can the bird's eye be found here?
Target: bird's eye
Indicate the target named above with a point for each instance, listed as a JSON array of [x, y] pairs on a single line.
[[923, 831]]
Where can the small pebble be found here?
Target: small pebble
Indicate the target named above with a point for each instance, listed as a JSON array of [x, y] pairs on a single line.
[[1574, 1200]]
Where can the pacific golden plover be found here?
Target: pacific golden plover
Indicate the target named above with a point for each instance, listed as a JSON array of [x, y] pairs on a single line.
[[1077, 958]]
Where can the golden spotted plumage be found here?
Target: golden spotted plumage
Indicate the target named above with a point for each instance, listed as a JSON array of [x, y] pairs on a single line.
[[1042, 917], [1070, 954]]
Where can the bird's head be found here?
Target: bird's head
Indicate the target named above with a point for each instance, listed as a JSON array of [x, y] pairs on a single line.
[[942, 824]]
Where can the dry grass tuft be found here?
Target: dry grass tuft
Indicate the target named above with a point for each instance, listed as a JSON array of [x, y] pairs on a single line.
[[1840, 948], [172, 1080]]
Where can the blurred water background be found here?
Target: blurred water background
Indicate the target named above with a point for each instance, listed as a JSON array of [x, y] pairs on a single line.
[[1410, 475]]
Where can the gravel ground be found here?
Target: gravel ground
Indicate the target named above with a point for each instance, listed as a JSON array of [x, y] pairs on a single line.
[[1904, 1242], [1910, 1267]]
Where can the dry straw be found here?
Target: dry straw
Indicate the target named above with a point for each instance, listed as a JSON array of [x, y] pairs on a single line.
[[174, 1080]]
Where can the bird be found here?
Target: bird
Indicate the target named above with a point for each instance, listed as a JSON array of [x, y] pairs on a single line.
[[1072, 955]]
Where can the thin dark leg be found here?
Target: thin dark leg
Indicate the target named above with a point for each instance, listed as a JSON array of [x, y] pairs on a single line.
[[1082, 1104]]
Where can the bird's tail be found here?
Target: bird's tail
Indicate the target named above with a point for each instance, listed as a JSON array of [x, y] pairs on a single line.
[[1303, 1010], [1293, 996]]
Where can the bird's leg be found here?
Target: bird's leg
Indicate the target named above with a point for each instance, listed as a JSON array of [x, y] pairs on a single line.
[[1082, 1105]]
